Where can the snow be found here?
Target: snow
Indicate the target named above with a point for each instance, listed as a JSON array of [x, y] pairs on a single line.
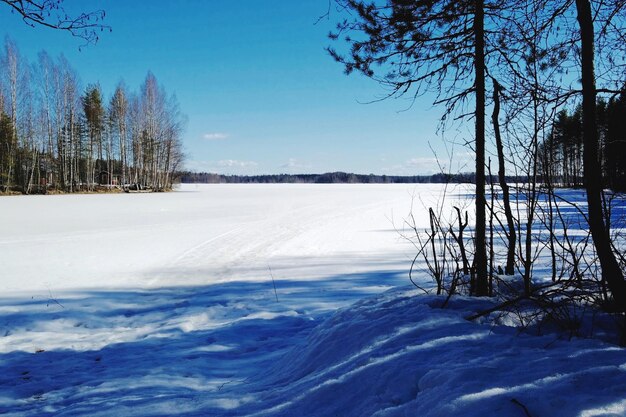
[[198, 235], [261, 300]]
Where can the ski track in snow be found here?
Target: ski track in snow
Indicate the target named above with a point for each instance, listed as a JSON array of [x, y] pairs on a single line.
[[164, 304]]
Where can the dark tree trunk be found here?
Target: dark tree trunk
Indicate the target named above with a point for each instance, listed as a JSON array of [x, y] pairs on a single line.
[[506, 201], [611, 272], [480, 261]]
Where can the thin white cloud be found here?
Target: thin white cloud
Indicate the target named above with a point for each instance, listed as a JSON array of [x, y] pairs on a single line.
[[230, 163], [414, 166], [461, 162], [422, 163], [394, 170], [293, 163], [215, 136], [225, 166], [290, 164], [198, 166]]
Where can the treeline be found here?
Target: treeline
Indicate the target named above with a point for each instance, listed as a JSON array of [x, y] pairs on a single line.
[[561, 153], [57, 135], [328, 178]]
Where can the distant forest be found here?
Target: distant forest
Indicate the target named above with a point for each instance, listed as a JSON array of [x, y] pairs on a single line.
[[329, 178], [561, 153], [56, 135]]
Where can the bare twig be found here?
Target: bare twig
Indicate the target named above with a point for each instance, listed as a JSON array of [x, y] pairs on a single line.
[[523, 407], [273, 282]]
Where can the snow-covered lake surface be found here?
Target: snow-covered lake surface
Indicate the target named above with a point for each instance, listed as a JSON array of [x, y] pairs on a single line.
[[260, 300], [202, 234]]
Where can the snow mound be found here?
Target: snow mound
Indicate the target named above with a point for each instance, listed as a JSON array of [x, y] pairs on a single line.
[[400, 354], [233, 350]]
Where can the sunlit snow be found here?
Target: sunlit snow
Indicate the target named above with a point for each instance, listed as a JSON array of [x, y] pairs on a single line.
[[261, 300]]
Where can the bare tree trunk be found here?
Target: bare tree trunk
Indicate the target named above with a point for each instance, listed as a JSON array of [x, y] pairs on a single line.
[[531, 199], [480, 260], [31, 175], [548, 174], [611, 272], [491, 216], [73, 153], [12, 59], [506, 200]]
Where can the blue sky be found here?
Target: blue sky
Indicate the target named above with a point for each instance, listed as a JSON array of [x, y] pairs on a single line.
[[260, 93]]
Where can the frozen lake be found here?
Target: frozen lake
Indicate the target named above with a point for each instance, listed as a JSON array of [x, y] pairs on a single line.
[[203, 234]]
